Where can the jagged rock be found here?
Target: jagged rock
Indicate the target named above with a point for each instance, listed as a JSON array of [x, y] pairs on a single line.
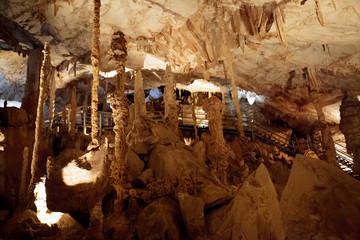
[[254, 213], [165, 136], [160, 220], [192, 211], [134, 164], [140, 147], [199, 151], [25, 226], [320, 201], [69, 228], [279, 174], [175, 161], [146, 176]]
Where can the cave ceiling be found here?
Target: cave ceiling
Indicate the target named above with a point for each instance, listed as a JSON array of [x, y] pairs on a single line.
[[274, 44]]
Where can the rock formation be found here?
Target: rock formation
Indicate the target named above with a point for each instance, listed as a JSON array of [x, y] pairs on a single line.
[[349, 126], [171, 113]]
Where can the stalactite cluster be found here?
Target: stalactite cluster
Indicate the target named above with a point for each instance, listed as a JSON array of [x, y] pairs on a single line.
[[171, 113], [219, 152], [95, 58]]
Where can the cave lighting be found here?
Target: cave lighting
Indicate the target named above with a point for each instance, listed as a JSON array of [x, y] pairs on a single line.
[[73, 175], [43, 213], [199, 85]]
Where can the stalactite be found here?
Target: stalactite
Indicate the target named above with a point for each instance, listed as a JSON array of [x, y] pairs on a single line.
[[95, 58], [280, 26], [219, 152], [35, 175], [193, 103], [333, 3], [73, 105], [118, 99], [24, 179], [228, 62], [350, 127], [139, 96], [171, 113], [319, 13], [52, 89]]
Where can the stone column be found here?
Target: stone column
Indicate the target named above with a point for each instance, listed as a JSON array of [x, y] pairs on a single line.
[[327, 140], [95, 60], [218, 151], [118, 99], [350, 127], [73, 105], [35, 175], [171, 113], [31, 92], [139, 96]]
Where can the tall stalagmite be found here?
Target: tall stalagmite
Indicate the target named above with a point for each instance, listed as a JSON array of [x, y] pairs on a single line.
[[52, 88], [229, 65], [219, 152], [139, 96], [350, 126], [170, 100], [95, 57], [327, 140], [73, 105], [35, 175], [118, 99]]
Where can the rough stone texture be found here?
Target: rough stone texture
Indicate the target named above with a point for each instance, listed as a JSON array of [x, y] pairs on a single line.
[[176, 161], [171, 112], [350, 126], [134, 164], [320, 201], [160, 220], [192, 211], [75, 180], [254, 213], [200, 151]]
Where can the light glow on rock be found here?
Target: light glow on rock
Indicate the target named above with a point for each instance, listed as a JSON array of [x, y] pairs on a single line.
[[43, 213], [73, 175], [199, 85]]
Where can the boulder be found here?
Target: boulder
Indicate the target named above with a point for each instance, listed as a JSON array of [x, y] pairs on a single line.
[[176, 161], [134, 164], [146, 176], [161, 219], [320, 201], [139, 147], [192, 211], [254, 213], [200, 151]]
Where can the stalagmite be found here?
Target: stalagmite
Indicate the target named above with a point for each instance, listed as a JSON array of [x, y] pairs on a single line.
[[193, 103], [219, 152], [350, 127], [52, 88], [73, 110], [228, 62], [24, 179], [118, 99], [95, 58], [35, 175], [171, 113], [139, 96]]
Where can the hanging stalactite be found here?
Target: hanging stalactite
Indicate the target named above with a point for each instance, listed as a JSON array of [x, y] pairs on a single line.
[[95, 58], [229, 65], [35, 171], [319, 13], [171, 113], [118, 99]]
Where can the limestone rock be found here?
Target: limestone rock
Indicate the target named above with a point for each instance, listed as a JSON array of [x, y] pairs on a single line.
[[254, 213], [139, 147], [192, 211], [134, 164], [165, 136], [320, 201], [146, 176], [200, 151], [160, 220]]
